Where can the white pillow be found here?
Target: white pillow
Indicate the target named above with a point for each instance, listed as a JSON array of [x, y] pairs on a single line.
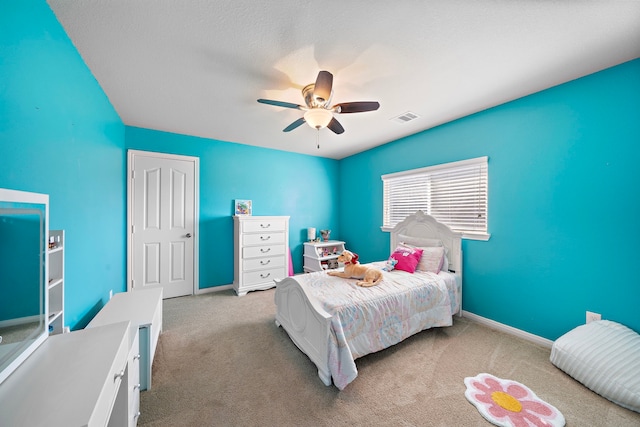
[[604, 356], [432, 259]]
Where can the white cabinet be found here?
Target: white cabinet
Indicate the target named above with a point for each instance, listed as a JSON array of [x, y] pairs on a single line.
[[133, 375], [322, 255], [55, 286], [74, 379], [143, 308], [261, 252]]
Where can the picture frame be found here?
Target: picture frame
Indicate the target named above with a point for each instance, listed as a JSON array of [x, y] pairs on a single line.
[[242, 207]]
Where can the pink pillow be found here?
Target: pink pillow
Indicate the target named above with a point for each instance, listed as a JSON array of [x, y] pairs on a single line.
[[407, 258], [433, 258]]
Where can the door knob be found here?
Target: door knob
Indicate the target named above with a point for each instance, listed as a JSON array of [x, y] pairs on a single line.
[[188, 235]]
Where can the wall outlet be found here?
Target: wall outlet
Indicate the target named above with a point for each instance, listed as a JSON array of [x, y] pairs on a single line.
[[593, 316]]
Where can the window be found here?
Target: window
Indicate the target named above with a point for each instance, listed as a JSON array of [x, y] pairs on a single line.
[[453, 193]]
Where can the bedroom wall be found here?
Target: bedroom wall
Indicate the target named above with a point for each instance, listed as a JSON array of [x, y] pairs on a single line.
[[561, 164], [563, 202], [60, 135], [279, 183]]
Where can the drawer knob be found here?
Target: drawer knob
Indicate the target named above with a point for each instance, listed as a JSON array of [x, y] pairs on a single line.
[[262, 262], [265, 225], [265, 237], [118, 376], [264, 276], [264, 251]]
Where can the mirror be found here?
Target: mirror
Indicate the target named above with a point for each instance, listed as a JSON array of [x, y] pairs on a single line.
[[23, 272]]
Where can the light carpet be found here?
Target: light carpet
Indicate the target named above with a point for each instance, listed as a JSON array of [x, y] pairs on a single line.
[[221, 361]]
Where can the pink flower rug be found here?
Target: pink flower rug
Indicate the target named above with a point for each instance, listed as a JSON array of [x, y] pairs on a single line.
[[508, 403]]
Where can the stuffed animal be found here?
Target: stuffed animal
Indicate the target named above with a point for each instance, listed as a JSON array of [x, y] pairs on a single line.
[[354, 270], [390, 264]]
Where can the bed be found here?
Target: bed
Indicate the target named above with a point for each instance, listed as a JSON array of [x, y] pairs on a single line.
[[334, 322]]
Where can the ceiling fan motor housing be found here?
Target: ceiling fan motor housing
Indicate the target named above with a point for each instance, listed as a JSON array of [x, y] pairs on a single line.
[[312, 100]]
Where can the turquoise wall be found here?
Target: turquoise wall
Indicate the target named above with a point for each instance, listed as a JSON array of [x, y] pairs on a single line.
[[563, 202], [563, 207], [60, 135], [279, 183]]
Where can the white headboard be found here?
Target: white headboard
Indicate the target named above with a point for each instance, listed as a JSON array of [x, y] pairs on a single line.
[[425, 226]]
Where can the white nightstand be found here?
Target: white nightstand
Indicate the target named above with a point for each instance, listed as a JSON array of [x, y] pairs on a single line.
[[322, 255]]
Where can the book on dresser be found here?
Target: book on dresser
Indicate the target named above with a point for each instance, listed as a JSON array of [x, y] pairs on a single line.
[[261, 252]]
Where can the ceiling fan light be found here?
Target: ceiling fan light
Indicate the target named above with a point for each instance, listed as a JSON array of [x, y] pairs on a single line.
[[318, 118]]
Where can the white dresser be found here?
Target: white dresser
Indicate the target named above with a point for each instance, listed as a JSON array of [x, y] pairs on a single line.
[[75, 379], [261, 252], [143, 308]]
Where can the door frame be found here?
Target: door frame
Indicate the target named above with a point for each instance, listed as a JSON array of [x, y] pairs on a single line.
[[196, 212]]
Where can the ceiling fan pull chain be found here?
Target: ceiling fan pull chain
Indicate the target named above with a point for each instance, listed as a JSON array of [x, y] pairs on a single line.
[[318, 138]]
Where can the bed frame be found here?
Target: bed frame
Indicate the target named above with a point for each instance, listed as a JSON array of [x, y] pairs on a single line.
[[308, 324]]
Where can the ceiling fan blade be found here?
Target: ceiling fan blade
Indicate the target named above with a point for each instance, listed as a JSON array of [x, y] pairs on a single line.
[[294, 125], [335, 126], [280, 104], [322, 88], [356, 107]]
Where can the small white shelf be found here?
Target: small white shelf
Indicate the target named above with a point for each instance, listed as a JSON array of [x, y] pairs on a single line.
[[319, 255], [53, 283], [54, 315], [55, 287]]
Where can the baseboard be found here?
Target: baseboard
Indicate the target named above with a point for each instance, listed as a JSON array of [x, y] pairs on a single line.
[[213, 289], [20, 321], [508, 329]]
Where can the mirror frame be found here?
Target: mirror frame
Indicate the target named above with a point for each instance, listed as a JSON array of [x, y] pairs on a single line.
[[35, 340]]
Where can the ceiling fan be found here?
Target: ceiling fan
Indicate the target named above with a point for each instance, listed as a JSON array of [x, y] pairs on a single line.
[[318, 114]]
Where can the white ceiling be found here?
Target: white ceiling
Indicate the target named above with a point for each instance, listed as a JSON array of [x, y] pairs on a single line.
[[197, 67]]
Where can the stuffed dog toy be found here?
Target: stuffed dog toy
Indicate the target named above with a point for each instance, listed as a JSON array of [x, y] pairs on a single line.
[[353, 270]]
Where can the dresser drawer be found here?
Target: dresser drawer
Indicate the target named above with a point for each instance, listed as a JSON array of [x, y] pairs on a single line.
[[105, 403], [264, 225], [267, 275], [262, 251], [134, 380], [263, 263], [263, 239]]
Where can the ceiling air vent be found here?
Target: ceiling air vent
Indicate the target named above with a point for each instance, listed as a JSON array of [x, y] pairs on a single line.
[[405, 117]]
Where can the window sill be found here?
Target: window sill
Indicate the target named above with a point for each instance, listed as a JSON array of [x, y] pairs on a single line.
[[483, 237]]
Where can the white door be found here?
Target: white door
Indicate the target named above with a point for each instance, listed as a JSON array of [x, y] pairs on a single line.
[[163, 194]]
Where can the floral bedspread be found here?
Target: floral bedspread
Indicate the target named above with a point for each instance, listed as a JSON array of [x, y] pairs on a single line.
[[366, 320]]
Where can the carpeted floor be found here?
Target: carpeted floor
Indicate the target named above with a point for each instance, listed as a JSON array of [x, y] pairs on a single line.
[[221, 361]]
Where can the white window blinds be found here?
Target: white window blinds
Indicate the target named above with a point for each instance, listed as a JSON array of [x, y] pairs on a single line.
[[453, 193]]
